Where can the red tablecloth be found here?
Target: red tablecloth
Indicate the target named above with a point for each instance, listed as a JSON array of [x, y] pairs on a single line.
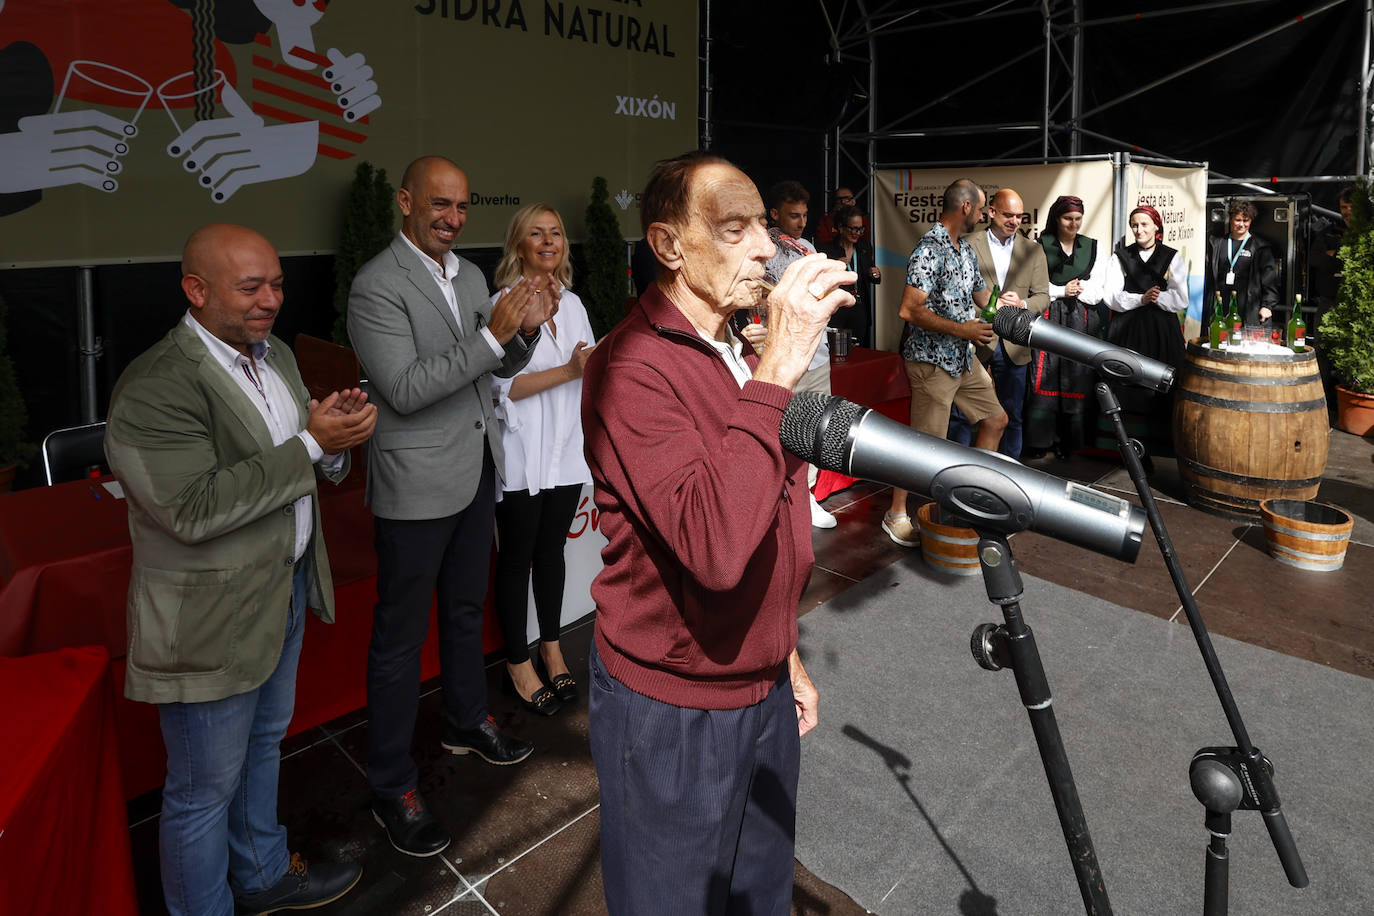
[[65, 558], [64, 838], [873, 378]]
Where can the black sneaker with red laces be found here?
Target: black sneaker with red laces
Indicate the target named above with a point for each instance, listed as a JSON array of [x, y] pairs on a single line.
[[409, 825]]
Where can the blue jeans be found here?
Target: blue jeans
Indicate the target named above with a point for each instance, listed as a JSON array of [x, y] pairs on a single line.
[[219, 803], [1010, 381]]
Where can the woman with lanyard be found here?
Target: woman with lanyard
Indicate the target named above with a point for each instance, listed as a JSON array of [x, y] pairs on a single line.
[[1146, 288], [850, 247], [1061, 389], [541, 428], [1243, 264]]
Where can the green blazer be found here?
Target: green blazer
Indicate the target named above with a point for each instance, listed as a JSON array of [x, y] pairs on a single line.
[[210, 516]]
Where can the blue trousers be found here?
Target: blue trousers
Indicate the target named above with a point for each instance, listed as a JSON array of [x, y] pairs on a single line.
[[698, 806], [219, 803], [1010, 381]]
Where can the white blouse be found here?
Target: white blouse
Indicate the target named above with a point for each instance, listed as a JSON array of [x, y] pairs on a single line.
[[1173, 299], [542, 434]]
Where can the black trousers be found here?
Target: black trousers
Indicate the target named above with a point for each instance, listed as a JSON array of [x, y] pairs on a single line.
[[533, 530], [416, 559], [698, 806]]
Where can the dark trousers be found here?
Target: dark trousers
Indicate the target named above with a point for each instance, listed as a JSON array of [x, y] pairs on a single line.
[[416, 559], [698, 807], [533, 530], [1010, 381]]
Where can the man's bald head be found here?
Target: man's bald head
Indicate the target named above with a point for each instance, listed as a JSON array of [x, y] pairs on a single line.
[[1007, 213], [232, 277], [210, 246], [433, 198]]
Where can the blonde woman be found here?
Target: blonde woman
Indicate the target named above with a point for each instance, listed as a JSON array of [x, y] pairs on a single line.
[[539, 410]]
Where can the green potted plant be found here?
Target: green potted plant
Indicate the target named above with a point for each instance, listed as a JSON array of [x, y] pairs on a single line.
[[15, 450], [605, 288], [368, 227], [1347, 328]]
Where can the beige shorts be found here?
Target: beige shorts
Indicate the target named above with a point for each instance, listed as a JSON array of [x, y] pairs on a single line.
[[933, 390]]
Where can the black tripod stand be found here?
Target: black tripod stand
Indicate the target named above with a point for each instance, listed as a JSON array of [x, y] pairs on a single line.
[[1223, 778]]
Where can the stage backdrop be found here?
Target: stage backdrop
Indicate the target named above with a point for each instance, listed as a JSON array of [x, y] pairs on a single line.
[[907, 205], [1180, 196], [125, 124]]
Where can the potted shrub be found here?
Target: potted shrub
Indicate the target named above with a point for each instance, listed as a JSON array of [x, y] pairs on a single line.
[[1347, 328], [605, 287], [368, 227], [15, 450]]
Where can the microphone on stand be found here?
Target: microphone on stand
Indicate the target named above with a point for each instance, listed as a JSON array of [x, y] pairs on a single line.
[[1114, 363], [992, 491]]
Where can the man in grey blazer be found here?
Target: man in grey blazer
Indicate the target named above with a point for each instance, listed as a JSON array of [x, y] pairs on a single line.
[[429, 338], [1017, 266], [217, 443]]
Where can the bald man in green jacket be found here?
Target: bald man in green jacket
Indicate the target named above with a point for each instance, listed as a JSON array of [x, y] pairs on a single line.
[[217, 445]]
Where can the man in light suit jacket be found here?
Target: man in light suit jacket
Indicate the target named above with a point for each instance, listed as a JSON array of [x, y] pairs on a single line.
[[216, 443], [429, 338], [1017, 266]]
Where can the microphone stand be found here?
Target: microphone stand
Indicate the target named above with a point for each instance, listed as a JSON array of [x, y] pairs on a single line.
[[1013, 646], [1223, 779]]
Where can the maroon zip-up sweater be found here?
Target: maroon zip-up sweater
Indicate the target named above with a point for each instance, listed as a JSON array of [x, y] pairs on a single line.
[[706, 516]]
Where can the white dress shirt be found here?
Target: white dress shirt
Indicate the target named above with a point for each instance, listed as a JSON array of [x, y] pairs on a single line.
[[443, 275], [1001, 256], [266, 391], [542, 434]]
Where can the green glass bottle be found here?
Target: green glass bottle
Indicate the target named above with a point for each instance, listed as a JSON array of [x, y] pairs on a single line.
[[990, 310], [1219, 331], [1233, 316], [1297, 327]]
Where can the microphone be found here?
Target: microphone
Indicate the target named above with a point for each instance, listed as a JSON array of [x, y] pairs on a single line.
[[992, 491], [1021, 326]]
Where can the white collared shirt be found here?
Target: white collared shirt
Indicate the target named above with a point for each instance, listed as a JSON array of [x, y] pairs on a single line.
[[732, 351], [1001, 256], [267, 391], [443, 275]]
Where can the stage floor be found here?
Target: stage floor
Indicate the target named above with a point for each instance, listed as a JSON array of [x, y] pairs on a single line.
[[526, 836]]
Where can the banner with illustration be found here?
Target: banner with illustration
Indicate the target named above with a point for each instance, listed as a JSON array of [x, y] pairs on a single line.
[[126, 123], [907, 205], [1180, 196]]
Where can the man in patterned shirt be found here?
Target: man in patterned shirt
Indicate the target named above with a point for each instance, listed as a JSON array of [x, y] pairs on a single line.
[[941, 302]]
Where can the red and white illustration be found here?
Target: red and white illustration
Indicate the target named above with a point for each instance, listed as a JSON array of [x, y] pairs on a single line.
[[80, 79]]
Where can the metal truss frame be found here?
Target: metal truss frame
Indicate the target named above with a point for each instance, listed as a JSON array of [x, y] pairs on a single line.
[[858, 30]]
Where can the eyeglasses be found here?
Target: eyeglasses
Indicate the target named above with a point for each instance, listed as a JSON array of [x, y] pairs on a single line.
[[844, 197], [858, 228]]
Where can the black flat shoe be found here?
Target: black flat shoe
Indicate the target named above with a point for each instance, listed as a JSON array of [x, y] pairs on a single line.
[[545, 699], [409, 825], [302, 887], [564, 685]]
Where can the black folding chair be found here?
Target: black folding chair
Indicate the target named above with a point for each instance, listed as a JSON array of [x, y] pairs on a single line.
[[72, 453]]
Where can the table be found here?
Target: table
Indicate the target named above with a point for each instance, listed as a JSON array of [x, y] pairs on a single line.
[[64, 838], [873, 378], [65, 558]]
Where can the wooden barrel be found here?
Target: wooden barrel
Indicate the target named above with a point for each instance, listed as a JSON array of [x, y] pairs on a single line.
[[1307, 535], [946, 547], [1249, 427]]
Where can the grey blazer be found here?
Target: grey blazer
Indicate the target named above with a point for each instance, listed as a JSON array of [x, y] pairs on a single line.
[[430, 382]]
